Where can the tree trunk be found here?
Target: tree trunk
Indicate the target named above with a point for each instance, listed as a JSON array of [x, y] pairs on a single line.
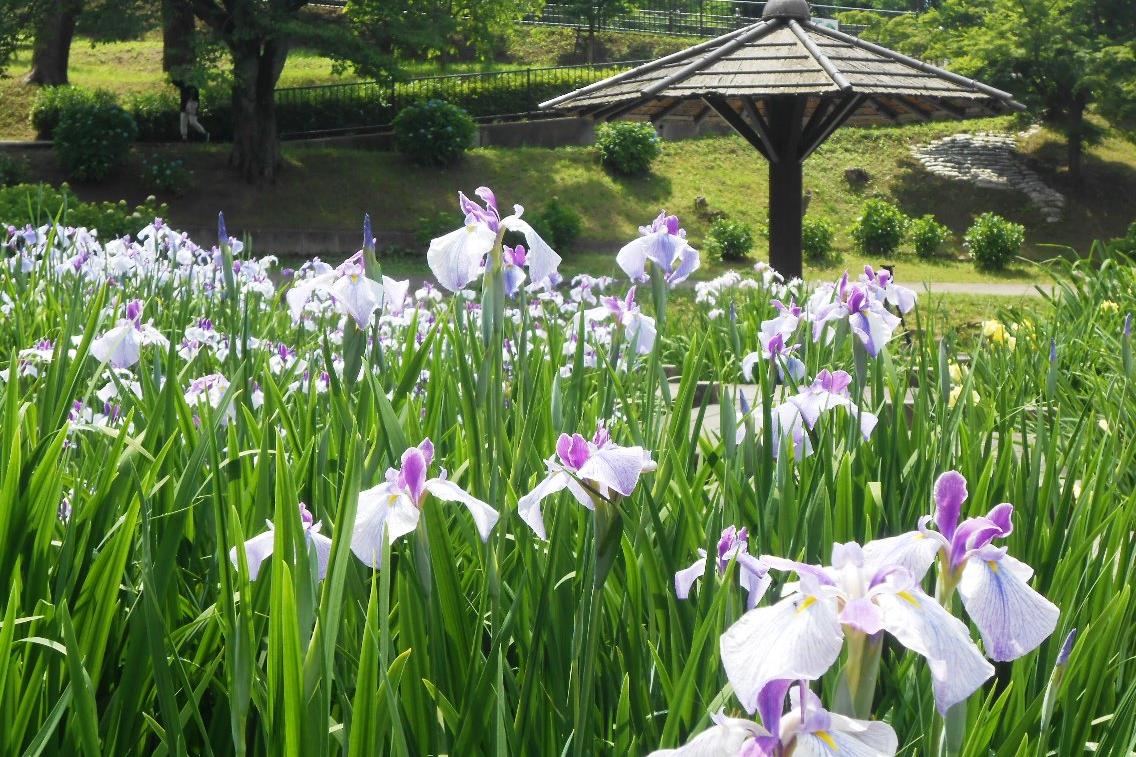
[[1075, 135], [256, 144], [177, 36], [52, 48]]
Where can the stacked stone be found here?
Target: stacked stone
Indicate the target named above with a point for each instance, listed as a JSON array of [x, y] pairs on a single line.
[[991, 161]]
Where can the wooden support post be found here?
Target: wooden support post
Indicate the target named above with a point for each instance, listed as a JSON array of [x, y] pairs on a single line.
[[786, 186]]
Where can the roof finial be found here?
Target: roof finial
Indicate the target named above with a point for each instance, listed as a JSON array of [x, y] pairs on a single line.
[[794, 9]]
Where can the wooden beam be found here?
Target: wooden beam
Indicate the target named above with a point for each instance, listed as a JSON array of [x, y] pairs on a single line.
[[824, 104], [666, 111], [951, 108], [847, 107], [917, 108], [618, 109], [885, 110], [761, 128], [723, 109], [755, 33], [647, 67], [950, 76], [838, 78]]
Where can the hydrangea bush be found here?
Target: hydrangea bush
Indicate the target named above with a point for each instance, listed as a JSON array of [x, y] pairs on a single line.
[[248, 509]]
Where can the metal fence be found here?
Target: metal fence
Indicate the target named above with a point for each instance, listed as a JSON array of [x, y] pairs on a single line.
[[693, 18], [334, 108]]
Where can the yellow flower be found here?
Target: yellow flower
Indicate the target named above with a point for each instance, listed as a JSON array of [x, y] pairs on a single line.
[[1108, 306], [996, 332], [956, 392], [955, 371]]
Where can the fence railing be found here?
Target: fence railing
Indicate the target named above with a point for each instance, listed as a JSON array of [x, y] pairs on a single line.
[[330, 108], [692, 18]]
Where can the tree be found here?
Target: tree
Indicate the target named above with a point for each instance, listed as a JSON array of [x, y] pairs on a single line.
[[389, 32], [1060, 57], [16, 17], [258, 34], [51, 51], [177, 35], [592, 15]]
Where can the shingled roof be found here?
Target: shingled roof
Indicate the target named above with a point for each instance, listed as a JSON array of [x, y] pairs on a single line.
[[787, 54]]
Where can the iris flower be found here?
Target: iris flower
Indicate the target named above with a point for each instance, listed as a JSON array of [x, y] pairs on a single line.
[[801, 636], [881, 285], [753, 575], [800, 413], [585, 467], [662, 244], [639, 328], [397, 504], [867, 317], [259, 548], [457, 259], [122, 345], [352, 293], [807, 729], [1012, 618]]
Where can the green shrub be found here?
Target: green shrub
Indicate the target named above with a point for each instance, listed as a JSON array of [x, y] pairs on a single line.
[[994, 241], [433, 133], [1127, 243], [93, 138], [880, 228], [729, 240], [928, 236], [816, 239], [628, 147], [51, 102], [556, 223], [166, 175], [12, 170], [38, 204]]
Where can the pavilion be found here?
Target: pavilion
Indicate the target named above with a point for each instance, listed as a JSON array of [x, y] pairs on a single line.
[[785, 84]]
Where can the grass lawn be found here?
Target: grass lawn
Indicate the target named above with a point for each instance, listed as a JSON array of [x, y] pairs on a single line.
[[326, 188]]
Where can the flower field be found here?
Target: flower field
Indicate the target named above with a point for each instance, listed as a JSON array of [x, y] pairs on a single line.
[[253, 510]]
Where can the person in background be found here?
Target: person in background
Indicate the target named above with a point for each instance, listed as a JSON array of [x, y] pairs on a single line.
[[190, 104]]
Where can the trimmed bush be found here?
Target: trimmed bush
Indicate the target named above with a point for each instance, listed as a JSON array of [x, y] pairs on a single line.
[[93, 137], [928, 236], [112, 219], [52, 102], [729, 240], [816, 239], [994, 241], [12, 170], [556, 223], [880, 228], [166, 175], [628, 147], [433, 133]]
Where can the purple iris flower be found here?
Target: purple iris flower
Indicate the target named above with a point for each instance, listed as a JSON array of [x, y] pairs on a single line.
[[259, 548], [801, 636], [122, 345], [883, 287], [639, 328], [662, 244], [866, 316], [1012, 618], [513, 259], [774, 350], [585, 467], [798, 415], [397, 503], [753, 575], [458, 258], [805, 729]]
